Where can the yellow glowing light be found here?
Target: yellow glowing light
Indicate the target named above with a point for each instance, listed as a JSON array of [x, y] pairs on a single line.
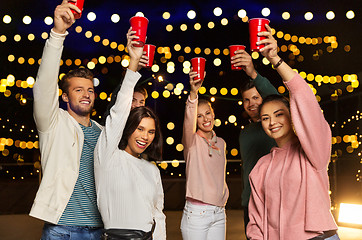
[[166, 94], [308, 16], [217, 51], [115, 18], [350, 213], [265, 12], [88, 34], [44, 35], [26, 20], [175, 163], [170, 140], [183, 27], [224, 21], [180, 86], [217, 11], [170, 126], [17, 38], [3, 38], [163, 165], [91, 16], [281, 89], [241, 13], [213, 90], [11, 58], [169, 28], [234, 91], [191, 14], [211, 25], [330, 15], [105, 42], [202, 90], [217, 62], [187, 49], [350, 14], [265, 61], [166, 15], [177, 47], [285, 15], [179, 147], [125, 62], [232, 119], [30, 80], [155, 94], [212, 99], [21, 60], [78, 29], [155, 68], [7, 19], [217, 123], [255, 55], [103, 95], [223, 91], [234, 152]]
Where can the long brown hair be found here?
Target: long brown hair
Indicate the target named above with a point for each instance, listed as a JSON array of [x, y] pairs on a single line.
[[154, 151]]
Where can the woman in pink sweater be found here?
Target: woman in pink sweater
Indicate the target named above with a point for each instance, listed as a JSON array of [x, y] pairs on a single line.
[[290, 185], [206, 190]]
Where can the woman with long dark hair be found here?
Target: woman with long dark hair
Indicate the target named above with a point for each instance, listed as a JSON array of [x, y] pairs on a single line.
[[290, 198], [129, 188]]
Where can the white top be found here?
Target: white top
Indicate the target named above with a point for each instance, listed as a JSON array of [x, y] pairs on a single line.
[[129, 189]]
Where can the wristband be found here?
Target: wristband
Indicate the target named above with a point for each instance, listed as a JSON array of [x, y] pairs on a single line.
[[278, 63]]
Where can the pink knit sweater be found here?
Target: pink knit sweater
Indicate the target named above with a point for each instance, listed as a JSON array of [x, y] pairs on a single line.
[[205, 174], [290, 185]]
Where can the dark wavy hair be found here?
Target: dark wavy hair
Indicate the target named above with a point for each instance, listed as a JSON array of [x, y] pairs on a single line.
[[154, 150], [275, 97], [248, 85], [79, 72], [137, 88]]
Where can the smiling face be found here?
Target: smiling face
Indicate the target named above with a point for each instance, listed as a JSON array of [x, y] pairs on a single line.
[[80, 96], [205, 118], [142, 137], [276, 122], [251, 101]]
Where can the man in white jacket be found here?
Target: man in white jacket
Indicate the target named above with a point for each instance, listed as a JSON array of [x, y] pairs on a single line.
[[66, 199]]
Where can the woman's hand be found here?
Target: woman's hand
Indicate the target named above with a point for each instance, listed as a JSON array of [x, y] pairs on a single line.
[[135, 52], [270, 51], [194, 84]]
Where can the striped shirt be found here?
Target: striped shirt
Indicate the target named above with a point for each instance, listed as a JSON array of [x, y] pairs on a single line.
[[82, 207]]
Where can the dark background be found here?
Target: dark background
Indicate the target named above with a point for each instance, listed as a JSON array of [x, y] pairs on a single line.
[[19, 168]]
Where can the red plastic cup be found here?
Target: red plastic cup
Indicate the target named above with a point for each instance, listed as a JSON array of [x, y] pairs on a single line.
[[257, 25], [198, 65], [79, 4], [139, 24], [150, 53], [232, 49]]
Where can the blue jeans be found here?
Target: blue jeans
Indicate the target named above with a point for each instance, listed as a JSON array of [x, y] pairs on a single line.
[[58, 232], [334, 237]]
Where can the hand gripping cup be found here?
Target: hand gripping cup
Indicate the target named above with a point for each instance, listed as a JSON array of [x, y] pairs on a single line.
[[257, 25], [198, 65], [150, 53], [232, 49], [79, 4], [139, 24]]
